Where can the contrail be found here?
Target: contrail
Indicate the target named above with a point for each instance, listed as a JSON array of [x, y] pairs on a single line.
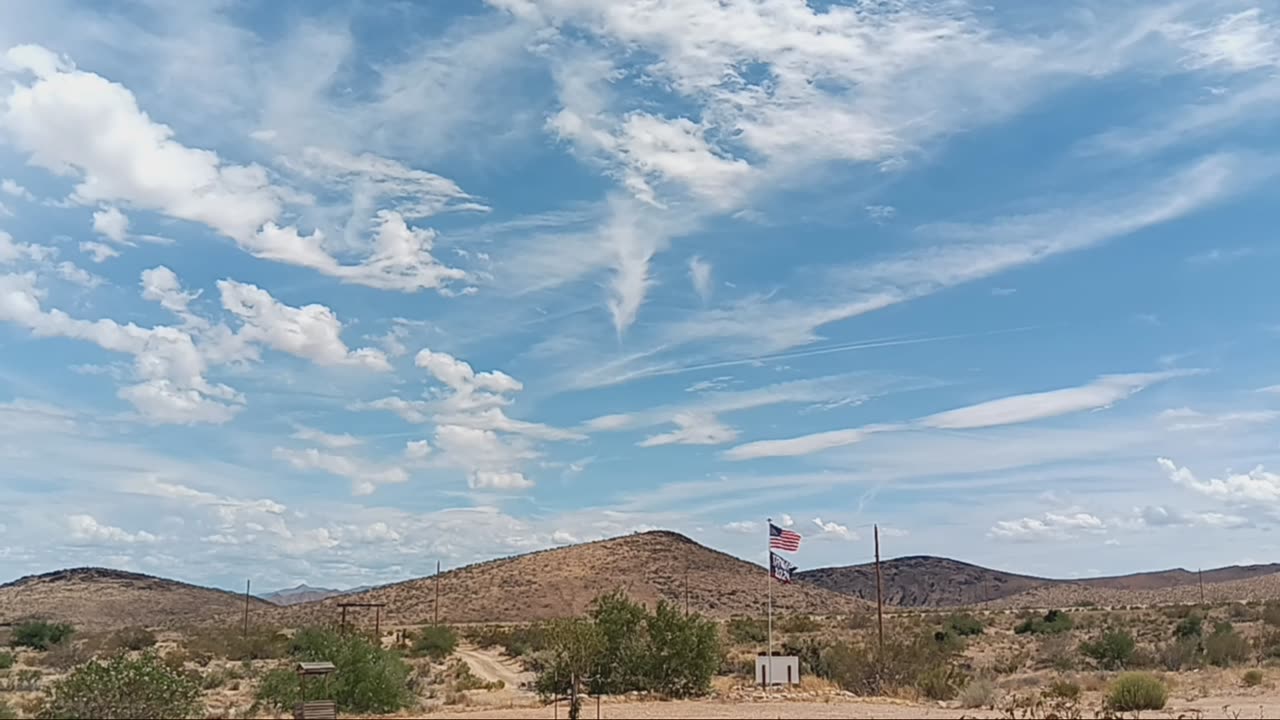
[[845, 347]]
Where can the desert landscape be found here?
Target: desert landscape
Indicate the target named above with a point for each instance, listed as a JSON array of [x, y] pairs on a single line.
[[960, 640]]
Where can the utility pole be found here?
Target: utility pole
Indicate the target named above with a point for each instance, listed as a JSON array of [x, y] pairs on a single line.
[[1200, 573], [246, 609], [879, 616], [437, 603], [686, 588]]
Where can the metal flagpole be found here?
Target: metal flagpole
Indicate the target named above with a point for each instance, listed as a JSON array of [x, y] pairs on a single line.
[[768, 667]]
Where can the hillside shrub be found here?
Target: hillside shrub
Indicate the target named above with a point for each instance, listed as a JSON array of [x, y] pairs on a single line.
[[123, 687], [6, 711], [1271, 614], [261, 643], [1113, 650], [963, 625], [979, 693], [435, 641], [746, 630], [6, 660], [1192, 626], [1252, 678], [1052, 623], [1180, 654], [910, 663], [1132, 692], [1063, 689], [799, 624], [40, 634], [1225, 647], [367, 679], [133, 638]]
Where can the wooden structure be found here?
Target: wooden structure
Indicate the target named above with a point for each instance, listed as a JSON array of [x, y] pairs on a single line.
[[377, 615], [314, 709]]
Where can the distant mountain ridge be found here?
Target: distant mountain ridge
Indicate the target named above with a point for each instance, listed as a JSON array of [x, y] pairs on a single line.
[[929, 581], [304, 593]]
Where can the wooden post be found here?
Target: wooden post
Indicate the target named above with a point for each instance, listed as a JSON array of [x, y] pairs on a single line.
[[879, 614], [437, 602], [686, 588], [344, 620], [246, 609], [1200, 573], [377, 625]]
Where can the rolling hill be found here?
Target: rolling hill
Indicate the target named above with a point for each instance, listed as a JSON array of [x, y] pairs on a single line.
[[926, 581], [304, 593], [104, 599], [562, 582]]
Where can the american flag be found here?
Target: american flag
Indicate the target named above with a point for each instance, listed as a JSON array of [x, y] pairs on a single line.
[[784, 540], [780, 568]]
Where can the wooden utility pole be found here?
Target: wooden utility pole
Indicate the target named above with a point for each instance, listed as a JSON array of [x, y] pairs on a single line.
[[246, 609], [686, 588], [437, 584], [879, 594], [1200, 574]]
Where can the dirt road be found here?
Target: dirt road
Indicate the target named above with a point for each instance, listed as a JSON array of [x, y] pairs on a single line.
[[491, 666]]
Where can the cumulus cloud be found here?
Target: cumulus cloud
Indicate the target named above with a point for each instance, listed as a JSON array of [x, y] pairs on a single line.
[[97, 251], [833, 530], [1050, 526], [86, 529], [1256, 487], [332, 441], [111, 224], [365, 477]]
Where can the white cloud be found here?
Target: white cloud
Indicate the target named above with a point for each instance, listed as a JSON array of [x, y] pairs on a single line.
[[490, 461], [111, 224], [700, 276], [312, 331], [365, 477], [493, 480], [1101, 393], [834, 530], [1163, 516], [417, 449], [742, 527], [86, 529], [1256, 487], [1050, 526], [329, 440], [693, 429], [803, 445], [786, 521], [881, 213], [99, 252], [9, 186]]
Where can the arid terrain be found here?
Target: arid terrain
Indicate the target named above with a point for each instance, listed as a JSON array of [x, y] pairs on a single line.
[[1216, 659]]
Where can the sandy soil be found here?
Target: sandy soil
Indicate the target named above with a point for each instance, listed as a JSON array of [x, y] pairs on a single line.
[[491, 666]]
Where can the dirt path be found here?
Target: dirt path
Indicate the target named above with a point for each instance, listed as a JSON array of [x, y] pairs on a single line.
[[491, 666]]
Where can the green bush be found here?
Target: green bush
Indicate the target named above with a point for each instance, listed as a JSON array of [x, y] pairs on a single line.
[[435, 641], [123, 687], [1053, 622], [40, 634], [1192, 626], [6, 660], [516, 641], [1136, 691], [7, 712], [746, 631], [963, 625], [1113, 650], [133, 638], [623, 647], [1252, 678], [1225, 647], [367, 679]]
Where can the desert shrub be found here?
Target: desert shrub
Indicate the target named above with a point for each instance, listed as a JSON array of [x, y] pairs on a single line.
[[1056, 652], [1180, 654], [918, 662], [684, 651], [1252, 678], [1271, 614], [1240, 612], [1064, 689], [458, 677], [799, 624], [856, 621], [1113, 650], [625, 647], [22, 681], [515, 641], [435, 641], [133, 638], [746, 630], [808, 652], [40, 634], [573, 648], [64, 655], [1053, 623], [123, 687], [367, 678], [978, 693], [1136, 691], [6, 660], [1225, 646], [1191, 626], [963, 625], [6, 711], [261, 643]]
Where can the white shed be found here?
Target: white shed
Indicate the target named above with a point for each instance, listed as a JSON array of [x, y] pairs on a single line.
[[778, 670]]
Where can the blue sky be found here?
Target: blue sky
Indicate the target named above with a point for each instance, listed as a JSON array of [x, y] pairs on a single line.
[[330, 291]]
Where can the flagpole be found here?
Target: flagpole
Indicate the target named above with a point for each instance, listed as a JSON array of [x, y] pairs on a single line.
[[769, 579]]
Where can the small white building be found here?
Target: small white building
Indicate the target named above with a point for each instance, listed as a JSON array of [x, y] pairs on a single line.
[[778, 670]]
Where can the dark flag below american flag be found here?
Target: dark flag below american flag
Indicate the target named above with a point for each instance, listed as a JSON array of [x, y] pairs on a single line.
[[784, 540], [780, 568]]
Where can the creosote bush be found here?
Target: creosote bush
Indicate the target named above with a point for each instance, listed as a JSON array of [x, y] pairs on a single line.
[[963, 625], [1136, 691], [1113, 650], [123, 687], [435, 641], [1225, 647], [1053, 622], [6, 660], [367, 680], [920, 663], [133, 638], [1252, 678], [40, 634], [978, 693]]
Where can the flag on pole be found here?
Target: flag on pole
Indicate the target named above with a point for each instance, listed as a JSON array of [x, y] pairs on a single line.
[[784, 540], [781, 569]]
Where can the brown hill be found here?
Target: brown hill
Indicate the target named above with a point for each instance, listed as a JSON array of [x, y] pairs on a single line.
[[925, 581], [562, 582], [1067, 595], [104, 599]]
